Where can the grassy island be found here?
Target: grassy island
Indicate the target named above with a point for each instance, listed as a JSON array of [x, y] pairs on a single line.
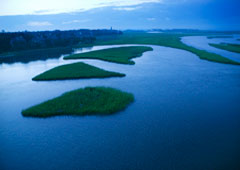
[[172, 40], [87, 101], [75, 71], [220, 36], [226, 46], [122, 55]]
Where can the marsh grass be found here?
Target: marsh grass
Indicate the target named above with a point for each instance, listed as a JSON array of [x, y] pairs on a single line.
[[172, 40], [220, 36], [228, 47], [87, 101], [75, 71], [122, 55]]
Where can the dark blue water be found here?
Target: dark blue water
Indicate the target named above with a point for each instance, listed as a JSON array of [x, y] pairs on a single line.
[[186, 115]]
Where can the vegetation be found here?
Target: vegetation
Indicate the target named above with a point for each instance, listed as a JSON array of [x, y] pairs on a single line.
[[196, 31], [11, 43], [87, 101], [15, 41], [75, 71], [33, 55], [220, 36], [226, 46], [29, 46], [121, 55], [165, 39]]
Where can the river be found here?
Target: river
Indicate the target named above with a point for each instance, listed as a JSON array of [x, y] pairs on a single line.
[[186, 115]]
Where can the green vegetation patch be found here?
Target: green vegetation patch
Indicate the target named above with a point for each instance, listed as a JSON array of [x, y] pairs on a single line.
[[226, 46], [220, 36], [172, 40], [87, 101], [122, 55], [75, 71]]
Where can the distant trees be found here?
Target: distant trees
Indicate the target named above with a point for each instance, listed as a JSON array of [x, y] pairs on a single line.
[[48, 39]]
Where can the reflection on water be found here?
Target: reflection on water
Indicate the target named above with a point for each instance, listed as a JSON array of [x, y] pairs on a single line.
[[34, 55], [185, 116]]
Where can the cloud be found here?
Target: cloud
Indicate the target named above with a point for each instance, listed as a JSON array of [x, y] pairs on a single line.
[[75, 21], [127, 2], [39, 24], [127, 8], [184, 1], [151, 19], [42, 12], [43, 7]]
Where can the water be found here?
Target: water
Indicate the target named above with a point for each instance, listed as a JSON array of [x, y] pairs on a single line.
[[202, 42], [185, 116]]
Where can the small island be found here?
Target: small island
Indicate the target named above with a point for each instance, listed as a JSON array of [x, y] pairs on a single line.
[[81, 102], [226, 46], [75, 71], [122, 55]]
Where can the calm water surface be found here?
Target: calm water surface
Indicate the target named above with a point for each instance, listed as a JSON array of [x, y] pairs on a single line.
[[202, 42], [186, 115]]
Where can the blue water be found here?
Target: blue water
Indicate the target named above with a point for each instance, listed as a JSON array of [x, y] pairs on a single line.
[[186, 115], [202, 42]]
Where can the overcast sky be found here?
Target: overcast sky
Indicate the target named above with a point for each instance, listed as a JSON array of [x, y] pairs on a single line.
[[121, 14], [21, 7]]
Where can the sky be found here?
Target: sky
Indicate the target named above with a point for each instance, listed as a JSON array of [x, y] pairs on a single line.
[[38, 15]]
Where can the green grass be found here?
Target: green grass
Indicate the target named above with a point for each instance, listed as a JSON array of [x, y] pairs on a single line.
[[122, 55], [75, 71], [226, 46], [87, 101], [172, 40], [220, 36]]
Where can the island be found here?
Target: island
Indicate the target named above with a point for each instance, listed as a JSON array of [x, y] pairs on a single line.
[[227, 46], [75, 71], [122, 55], [82, 102]]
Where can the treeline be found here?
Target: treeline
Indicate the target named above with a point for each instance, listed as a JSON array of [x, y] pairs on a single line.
[[16, 41]]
